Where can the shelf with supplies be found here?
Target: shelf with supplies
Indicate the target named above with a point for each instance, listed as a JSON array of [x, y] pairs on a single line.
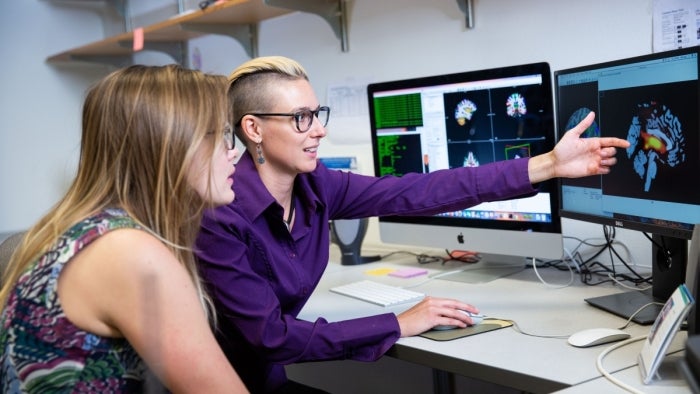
[[235, 18]]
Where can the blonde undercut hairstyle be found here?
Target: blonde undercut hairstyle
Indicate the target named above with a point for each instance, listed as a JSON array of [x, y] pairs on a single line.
[[249, 85], [141, 127]]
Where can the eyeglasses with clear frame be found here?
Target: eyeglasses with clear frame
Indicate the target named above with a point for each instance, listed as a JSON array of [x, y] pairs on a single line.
[[228, 137], [303, 118], [229, 141]]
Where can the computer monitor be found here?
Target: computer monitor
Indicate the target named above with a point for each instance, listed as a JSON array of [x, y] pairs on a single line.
[[469, 119], [651, 101]]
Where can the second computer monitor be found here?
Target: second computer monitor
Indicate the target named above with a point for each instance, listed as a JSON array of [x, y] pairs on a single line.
[[653, 102]]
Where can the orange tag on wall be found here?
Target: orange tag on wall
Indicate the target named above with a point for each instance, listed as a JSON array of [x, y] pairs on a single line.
[[138, 39]]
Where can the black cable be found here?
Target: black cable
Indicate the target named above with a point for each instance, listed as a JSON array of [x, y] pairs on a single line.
[[608, 238], [591, 268], [423, 258]]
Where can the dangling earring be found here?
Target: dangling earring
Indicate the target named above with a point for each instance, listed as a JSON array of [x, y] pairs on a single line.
[[258, 150]]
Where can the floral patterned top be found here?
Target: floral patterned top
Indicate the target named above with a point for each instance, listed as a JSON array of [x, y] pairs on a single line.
[[41, 350]]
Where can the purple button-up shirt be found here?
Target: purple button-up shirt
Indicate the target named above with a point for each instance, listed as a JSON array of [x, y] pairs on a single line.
[[260, 275]]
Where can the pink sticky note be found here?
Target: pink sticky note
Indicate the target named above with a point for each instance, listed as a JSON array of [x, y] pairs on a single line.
[[138, 39], [408, 272]]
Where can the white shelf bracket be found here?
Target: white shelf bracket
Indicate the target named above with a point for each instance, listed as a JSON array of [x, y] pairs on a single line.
[[114, 13], [333, 11], [247, 34]]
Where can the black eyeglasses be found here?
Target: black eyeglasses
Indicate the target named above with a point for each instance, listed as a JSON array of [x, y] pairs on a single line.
[[303, 118]]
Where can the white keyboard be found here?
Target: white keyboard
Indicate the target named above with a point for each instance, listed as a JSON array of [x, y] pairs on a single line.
[[378, 293]]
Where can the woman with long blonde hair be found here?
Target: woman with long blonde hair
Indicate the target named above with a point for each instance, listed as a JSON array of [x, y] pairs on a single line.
[[105, 284]]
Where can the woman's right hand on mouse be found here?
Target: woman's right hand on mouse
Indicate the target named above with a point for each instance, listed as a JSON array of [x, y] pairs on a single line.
[[431, 312]]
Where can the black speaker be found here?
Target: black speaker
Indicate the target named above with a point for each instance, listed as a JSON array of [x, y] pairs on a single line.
[[348, 235], [669, 260]]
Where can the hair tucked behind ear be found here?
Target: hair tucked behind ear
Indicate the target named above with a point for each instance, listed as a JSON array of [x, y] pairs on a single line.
[[248, 85], [141, 128]]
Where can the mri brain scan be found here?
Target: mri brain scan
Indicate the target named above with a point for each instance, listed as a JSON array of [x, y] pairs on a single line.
[[656, 138]]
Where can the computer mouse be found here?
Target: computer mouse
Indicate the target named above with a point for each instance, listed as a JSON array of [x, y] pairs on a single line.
[[476, 319], [596, 336]]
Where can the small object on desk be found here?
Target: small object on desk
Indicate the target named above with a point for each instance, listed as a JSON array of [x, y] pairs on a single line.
[[379, 271], [465, 256], [596, 336], [378, 293], [662, 332], [408, 272], [476, 319]]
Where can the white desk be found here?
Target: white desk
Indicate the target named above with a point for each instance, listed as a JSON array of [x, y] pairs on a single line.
[[672, 381], [505, 357]]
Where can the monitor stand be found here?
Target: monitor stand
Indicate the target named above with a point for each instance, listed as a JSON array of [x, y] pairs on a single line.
[[489, 268], [625, 304], [668, 272]]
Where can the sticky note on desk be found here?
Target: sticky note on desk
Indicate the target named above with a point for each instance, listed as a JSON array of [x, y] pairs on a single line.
[[379, 271], [408, 272]]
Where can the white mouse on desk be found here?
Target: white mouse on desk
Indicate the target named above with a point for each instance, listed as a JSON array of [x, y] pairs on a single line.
[[476, 319], [596, 336]]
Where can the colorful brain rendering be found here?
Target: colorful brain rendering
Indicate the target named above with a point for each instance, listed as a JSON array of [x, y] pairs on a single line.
[[470, 160], [656, 138], [464, 111], [515, 105]]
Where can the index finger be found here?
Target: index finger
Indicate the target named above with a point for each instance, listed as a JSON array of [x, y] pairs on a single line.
[[614, 142]]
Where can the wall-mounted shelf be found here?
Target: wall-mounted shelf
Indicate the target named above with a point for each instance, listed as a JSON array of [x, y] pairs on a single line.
[[234, 18]]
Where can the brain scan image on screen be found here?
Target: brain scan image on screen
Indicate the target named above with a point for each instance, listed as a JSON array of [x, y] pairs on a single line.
[[470, 160], [515, 105], [656, 138], [517, 151], [464, 111], [592, 131]]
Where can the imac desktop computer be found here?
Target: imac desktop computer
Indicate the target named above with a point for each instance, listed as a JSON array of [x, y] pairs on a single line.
[[470, 119], [651, 101]]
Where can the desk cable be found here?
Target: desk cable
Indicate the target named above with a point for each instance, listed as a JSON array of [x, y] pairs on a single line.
[[641, 308], [561, 336], [613, 279], [587, 267], [517, 328], [601, 356], [571, 271]]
